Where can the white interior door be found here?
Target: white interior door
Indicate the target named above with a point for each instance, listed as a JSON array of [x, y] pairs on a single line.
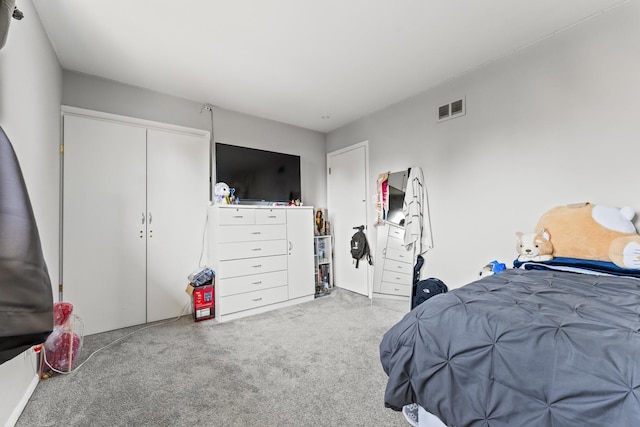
[[104, 234], [177, 200], [347, 191]]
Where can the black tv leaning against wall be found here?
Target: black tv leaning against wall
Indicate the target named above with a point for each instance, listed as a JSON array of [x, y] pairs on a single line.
[[258, 175]]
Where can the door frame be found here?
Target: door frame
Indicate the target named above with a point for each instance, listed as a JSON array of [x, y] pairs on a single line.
[[331, 154]]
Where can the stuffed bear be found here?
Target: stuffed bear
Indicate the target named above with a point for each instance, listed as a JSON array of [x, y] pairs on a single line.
[[593, 232], [222, 194], [534, 246]]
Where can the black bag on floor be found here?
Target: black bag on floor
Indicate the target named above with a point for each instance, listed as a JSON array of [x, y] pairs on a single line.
[[427, 288]]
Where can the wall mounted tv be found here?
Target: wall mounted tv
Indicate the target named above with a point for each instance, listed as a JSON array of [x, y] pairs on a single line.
[[258, 175]]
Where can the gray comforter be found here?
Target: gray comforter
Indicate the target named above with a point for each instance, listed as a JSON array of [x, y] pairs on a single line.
[[521, 348]]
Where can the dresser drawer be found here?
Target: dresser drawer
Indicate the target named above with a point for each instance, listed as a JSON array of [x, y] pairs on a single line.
[[244, 233], [396, 244], [249, 300], [396, 232], [254, 282], [232, 251], [243, 267], [236, 216], [395, 289], [398, 278], [271, 216], [400, 255], [398, 267]]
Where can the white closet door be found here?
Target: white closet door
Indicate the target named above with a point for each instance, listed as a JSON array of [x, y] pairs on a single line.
[[300, 262], [177, 200], [104, 236]]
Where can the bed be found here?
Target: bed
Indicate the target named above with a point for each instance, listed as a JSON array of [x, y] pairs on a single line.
[[544, 344]]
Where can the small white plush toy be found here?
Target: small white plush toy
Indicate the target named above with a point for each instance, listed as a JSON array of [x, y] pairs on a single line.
[[534, 246], [221, 194]]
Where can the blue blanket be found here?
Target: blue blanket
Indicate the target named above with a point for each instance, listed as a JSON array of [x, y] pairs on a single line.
[[521, 348]]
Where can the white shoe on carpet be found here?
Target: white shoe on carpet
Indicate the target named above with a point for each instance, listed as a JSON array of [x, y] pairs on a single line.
[[410, 413]]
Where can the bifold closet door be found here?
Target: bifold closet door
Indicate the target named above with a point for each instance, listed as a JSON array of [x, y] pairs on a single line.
[[104, 222], [177, 200]]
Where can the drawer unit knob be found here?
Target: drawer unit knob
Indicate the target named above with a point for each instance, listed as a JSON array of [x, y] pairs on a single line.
[[257, 299]]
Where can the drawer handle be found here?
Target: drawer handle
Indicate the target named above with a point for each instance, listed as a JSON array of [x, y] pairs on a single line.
[[400, 256], [257, 299], [272, 216], [238, 216], [257, 266], [257, 232], [396, 289], [257, 283], [256, 249]]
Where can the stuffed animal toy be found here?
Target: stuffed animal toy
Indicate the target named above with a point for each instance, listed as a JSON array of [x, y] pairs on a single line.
[[494, 267], [534, 246], [222, 192], [593, 232]]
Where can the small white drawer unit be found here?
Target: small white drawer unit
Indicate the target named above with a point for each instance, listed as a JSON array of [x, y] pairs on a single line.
[[393, 270]]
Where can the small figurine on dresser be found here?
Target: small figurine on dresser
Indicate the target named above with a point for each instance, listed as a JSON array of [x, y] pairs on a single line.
[[320, 222]]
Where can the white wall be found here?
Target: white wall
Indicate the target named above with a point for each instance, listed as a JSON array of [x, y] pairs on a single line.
[[30, 95], [552, 124], [85, 91]]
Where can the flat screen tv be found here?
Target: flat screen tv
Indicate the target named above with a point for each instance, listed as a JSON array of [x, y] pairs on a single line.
[[258, 175]]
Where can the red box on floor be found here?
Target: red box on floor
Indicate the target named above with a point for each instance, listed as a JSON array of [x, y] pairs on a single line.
[[203, 302]]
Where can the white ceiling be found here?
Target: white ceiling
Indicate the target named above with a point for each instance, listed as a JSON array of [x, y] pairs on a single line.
[[297, 61]]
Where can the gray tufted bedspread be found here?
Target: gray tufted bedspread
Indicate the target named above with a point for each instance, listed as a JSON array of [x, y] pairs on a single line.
[[521, 348]]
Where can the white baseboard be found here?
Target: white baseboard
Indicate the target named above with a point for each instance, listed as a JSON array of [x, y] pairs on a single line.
[[19, 381], [13, 418]]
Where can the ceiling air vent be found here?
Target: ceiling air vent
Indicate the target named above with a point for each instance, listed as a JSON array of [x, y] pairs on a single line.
[[451, 110]]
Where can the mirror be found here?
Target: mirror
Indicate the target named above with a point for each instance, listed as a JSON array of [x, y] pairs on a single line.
[[393, 264], [397, 182]]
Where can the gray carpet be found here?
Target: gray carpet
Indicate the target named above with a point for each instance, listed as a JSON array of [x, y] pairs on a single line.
[[314, 364]]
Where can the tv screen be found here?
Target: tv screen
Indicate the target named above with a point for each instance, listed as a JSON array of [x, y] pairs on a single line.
[[258, 175]]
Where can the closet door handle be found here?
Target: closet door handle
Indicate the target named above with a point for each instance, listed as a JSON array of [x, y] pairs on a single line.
[[142, 217], [150, 218]]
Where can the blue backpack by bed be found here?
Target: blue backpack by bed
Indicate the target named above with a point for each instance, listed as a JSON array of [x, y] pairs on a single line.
[[426, 289]]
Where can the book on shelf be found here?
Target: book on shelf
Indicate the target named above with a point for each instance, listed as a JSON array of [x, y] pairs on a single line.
[[321, 251], [323, 279]]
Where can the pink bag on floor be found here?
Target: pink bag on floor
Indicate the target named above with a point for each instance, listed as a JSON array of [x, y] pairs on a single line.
[[61, 347]]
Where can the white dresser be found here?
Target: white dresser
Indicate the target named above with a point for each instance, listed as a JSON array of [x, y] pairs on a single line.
[[393, 269], [262, 256]]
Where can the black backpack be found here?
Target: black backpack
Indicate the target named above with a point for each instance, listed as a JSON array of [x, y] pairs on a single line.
[[427, 288], [360, 246]]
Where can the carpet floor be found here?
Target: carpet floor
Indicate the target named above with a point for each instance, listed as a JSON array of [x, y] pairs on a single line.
[[314, 364]]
